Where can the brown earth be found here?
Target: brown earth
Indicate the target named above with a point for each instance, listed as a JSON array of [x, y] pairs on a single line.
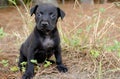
[[79, 65]]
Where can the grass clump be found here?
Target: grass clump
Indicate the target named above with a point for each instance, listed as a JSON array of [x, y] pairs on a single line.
[[27, 21], [95, 34]]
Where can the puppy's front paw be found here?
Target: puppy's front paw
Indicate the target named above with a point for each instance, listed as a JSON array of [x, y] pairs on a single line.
[[62, 68]]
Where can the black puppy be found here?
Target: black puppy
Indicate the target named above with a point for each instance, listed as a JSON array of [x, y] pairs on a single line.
[[44, 41]]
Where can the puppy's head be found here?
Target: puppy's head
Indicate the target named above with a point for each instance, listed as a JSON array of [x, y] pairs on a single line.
[[46, 16]]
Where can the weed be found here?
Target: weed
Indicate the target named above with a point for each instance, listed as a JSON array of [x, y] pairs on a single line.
[[95, 53], [47, 63], [94, 34], [115, 47], [1, 50], [2, 33], [27, 21], [13, 2], [4, 63], [14, 69], [23, 64], [102, 9], [33, 61]]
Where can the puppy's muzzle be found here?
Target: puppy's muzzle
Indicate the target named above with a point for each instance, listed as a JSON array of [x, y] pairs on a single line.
[[44, 24]]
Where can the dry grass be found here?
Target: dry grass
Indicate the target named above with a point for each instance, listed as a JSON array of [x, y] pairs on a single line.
[[85, 41]]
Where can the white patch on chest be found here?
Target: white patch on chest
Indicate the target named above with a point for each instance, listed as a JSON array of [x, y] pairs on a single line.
[[48, 42]]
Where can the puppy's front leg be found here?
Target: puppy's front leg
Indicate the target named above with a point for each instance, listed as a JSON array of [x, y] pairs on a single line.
[[29, 73], [59, 63]]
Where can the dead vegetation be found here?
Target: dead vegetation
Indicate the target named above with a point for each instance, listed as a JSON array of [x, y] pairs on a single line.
[[90, 39]]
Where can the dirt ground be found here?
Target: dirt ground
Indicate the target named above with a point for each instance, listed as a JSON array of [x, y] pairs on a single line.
[[80, 66]]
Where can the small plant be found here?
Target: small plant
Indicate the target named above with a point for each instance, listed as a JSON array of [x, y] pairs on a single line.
[[34, 61], [95, 53], [2, 33], [14, 69], [47, 63], [4, 63], [102, 10], [114, 48], [1, 50], [23, 64], [36, 68], [13, 2]]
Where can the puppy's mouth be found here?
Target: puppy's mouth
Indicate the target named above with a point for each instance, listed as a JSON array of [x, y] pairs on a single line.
[[47, 31]]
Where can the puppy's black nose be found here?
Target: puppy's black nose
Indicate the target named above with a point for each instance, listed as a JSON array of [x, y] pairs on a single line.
[[44, 23]]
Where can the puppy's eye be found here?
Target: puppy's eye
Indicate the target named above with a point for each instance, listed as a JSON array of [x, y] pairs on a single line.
[[52, 16], [40, 14], [51, 13]]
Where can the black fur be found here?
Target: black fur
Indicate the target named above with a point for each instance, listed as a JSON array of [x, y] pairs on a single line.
[[44, 41]]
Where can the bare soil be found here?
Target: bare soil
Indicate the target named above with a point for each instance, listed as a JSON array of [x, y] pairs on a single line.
[[80, 64]]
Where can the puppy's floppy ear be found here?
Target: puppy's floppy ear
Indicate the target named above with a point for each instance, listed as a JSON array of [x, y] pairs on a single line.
[[61, 13], [33, 9]]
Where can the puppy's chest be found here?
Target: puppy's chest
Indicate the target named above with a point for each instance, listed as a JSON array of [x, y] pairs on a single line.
[[47, 42]]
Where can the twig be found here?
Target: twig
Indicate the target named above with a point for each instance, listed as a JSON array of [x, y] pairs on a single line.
[[46, 71]]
